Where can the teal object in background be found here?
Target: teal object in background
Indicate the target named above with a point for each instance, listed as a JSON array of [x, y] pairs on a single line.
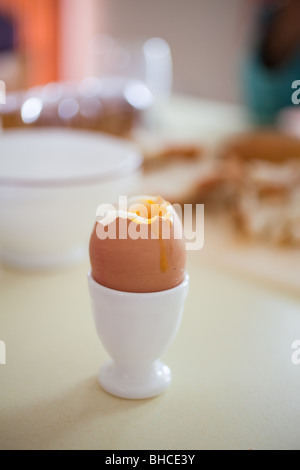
[[268, 91]]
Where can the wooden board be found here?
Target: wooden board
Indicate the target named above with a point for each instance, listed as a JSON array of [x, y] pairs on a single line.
[[277, 265]]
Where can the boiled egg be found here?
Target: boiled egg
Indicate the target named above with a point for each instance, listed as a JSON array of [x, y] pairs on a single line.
[[139, 248]]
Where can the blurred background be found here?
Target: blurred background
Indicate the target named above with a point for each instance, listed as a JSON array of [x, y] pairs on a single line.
[[205, 89], [53, 41], [196, 101]]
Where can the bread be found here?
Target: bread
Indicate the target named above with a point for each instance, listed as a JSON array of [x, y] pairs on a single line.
[[267, 186], [268, 145]]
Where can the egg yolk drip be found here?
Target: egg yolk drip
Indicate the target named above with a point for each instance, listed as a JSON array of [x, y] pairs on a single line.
[[145, 210], [149, 211]]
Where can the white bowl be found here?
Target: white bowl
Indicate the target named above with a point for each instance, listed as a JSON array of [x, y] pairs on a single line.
[[51, 182]]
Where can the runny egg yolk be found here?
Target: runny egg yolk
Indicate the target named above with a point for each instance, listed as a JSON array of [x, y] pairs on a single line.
[[149, 211], [163, 256]]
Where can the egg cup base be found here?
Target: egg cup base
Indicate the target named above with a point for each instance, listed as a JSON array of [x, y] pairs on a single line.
[[150, 382], [136, 329]]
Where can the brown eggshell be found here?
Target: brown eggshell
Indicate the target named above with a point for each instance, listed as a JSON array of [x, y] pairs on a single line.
[[138, 265]]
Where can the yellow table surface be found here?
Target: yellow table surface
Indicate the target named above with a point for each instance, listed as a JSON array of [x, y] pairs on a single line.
[[234, 384]]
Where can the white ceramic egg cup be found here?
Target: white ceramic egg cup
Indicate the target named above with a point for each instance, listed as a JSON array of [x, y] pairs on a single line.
[[136, 329]]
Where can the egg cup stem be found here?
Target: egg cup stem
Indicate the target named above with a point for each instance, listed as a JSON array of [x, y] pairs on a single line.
[[136, 329], [145, 381]]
